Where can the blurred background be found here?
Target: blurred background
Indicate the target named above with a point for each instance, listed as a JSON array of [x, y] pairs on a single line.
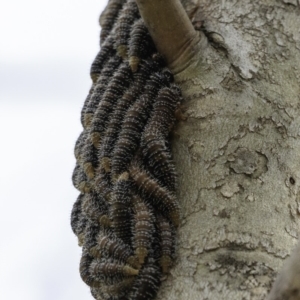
[[46, 51]]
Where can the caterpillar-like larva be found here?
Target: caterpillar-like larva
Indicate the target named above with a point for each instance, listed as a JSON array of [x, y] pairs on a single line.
[[147, 283], [127, 16], [140, 44], [110, 271], [80, 180], [108, 18], [115, 89], [98, 89], [143, 228], [156, 131], [110, 246], [134, 121], [107, 51], [117, 291], [121, 213], [95, 208], [167, 241], [157, 195]]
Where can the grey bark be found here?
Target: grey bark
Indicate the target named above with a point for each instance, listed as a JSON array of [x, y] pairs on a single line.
[[237, 154]]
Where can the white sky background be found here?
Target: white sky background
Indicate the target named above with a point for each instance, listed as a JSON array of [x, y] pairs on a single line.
[[46, 51]]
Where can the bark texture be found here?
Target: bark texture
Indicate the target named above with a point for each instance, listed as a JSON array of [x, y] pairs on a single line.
[[237, 154]]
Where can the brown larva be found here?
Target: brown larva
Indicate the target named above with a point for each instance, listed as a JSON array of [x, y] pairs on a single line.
[[90, 233], [94, 207], [134, 121], [126, 18], [80, 180], [143, 228], [110, 246], [120, 208], [114, 90], [106, 51], [98, 89], [110, 271], [117, 291], [157, 195], [167, 238], [108, 18], [79, 144], [102, 185], [76, 216], [84, 269], [147, 283], [140, 44]]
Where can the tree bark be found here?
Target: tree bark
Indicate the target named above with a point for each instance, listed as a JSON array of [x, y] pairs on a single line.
[[237, 154]]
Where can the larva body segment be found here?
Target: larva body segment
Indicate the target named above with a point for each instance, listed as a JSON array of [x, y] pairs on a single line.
[[157, 195], [110, 246], [140, 44], [94, 207], [98, 89], [76, 214], [134, 91], [134, 121], [84, 269], [89, 158], [167, 238], [159, 159], [143, 229], [91, 231], [110, 271], [102, 185], [128, 15], [80, 180], [108, 18], [115, 89], [79, 144], [120, 208], [106, 51], [116, 291], [147, 283]]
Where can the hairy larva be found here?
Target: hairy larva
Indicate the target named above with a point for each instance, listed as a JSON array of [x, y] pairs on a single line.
[[120, 208], [147, 283], [90, 233], [110, 246], [143, 228], [98, 89], [115, 89], [167, 238], [80, 180], [157, 195], [134, 91], [134, 121], [159, 159], [110, 271], [102, 185], [106, 51], [76, 214], [115, 291], [79, 144], [84, 269], [140, 44], [129, 13], [94, 207], [108, 17], [89, 158]]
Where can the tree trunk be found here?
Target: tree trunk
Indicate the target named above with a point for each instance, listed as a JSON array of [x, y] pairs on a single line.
[[237, 153]]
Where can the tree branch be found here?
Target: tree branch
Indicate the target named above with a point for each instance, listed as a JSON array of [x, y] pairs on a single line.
[[172, 31]]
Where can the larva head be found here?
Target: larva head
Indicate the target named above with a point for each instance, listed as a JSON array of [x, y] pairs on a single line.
[[166, 263], [141, 253]]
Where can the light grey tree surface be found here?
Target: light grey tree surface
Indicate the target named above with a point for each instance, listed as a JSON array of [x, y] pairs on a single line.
[[238, 152]]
